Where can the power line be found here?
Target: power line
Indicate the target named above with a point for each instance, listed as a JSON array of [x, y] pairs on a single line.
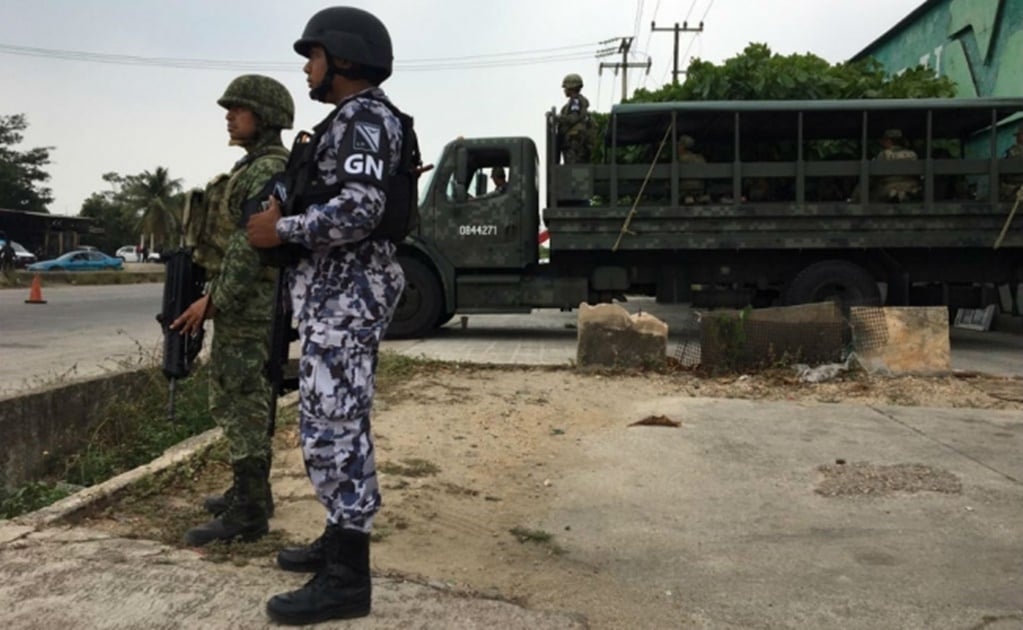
[[685, 55], [639, 16], [650, 35], [690, 11], [707, 11], [485, 60]]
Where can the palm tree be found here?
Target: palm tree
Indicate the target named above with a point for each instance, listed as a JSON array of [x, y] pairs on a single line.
[[155, 195]]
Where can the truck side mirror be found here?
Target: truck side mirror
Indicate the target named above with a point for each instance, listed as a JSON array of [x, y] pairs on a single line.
[[461, 192], [481, 183]]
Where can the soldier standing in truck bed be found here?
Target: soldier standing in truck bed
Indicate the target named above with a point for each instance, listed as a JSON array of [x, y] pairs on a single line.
[[574, 123], [691, 189], [896, 188]]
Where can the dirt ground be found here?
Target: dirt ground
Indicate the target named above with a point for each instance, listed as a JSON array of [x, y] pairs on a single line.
[[468, 458]]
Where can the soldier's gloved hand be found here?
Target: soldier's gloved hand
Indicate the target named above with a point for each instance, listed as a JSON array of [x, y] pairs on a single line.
[[262, 226]]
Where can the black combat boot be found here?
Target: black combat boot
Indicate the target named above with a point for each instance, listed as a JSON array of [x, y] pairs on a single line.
[[246, 513], [217, 504], [307, 559], [342, 589]]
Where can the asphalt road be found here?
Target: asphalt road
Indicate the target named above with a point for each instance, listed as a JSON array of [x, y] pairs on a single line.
[[90, 330], [80, 332]]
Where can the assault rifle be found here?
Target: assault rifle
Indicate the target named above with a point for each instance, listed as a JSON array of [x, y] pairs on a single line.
[[281, 336], [183, 284], [281, 331]]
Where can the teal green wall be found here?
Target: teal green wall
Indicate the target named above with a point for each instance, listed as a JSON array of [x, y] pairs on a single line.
[[976, 43]]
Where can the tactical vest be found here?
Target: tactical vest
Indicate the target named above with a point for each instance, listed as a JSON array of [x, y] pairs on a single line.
[[304, 188], [210, 220]]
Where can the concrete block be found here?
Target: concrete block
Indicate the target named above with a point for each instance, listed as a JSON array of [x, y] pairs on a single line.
[[902, 339], [609, 337], [807, 333]]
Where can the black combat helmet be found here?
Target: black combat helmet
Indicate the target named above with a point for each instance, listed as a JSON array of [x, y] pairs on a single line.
[[351, 34]]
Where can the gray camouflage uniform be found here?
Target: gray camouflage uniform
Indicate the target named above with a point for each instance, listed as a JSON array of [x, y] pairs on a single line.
[[344, 295], [574, 130]]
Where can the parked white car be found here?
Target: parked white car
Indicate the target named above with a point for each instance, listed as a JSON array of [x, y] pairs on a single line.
[[22, 257], [128, 253]]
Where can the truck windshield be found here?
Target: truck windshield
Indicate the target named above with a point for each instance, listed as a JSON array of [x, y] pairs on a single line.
[[427, 180]]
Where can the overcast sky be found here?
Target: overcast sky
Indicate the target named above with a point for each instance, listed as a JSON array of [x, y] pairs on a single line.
[[103, 116]]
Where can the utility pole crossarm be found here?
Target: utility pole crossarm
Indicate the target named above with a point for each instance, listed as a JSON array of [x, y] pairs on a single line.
[[624, 64], [675, 29]]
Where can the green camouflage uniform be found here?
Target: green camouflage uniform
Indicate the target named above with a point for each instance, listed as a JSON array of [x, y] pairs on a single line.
[[242, 290], [897, 187], [692, 190]]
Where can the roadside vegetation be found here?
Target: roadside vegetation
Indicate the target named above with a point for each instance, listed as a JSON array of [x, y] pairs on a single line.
[[133, 431], [23, 279]]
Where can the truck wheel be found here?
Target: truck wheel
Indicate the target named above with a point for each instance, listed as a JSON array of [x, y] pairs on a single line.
[[419, 308], [838, 281]]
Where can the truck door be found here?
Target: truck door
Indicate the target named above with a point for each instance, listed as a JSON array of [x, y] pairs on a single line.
[[482, 226]]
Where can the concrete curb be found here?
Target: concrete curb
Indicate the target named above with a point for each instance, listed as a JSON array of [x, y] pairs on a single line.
[[180, 452]]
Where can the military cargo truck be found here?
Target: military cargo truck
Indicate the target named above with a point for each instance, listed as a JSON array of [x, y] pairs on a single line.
[[773, 202]]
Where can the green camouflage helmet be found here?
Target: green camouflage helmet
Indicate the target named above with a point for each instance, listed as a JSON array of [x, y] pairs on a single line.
[[572, 81], [266, 97]]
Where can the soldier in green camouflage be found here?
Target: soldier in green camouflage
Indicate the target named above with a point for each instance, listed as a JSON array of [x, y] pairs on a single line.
[[575, 128], [239, 300], [896, 188], [1010, 184], [691, 190]]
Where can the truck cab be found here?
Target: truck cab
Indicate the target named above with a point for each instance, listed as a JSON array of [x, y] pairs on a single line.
[[474, 242]]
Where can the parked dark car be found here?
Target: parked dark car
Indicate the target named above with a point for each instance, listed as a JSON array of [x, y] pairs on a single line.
[[78, 261]]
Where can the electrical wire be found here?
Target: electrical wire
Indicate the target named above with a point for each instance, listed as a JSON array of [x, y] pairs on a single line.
[[689, 12], [487, 60]]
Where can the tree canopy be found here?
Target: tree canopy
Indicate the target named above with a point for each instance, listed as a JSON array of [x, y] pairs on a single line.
[[22, 172], [759, 74], [144, 204]]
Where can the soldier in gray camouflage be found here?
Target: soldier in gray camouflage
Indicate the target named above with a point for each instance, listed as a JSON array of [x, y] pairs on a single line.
[[239, 301], [1010, 185], [575, 128], [896, 188], [344, 294]]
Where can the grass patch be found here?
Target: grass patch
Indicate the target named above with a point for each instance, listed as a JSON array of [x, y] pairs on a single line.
[[394, 369], [538, 537], [524, 535], [133, 430], [31, 496]]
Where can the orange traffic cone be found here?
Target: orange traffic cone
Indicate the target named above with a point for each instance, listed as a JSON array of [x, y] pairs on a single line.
[[35, 294]]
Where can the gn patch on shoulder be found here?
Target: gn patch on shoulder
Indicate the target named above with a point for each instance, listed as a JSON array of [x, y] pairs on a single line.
[[365, 150]]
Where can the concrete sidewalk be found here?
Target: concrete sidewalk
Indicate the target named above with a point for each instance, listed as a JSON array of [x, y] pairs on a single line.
[[57, 576], [719, 523]]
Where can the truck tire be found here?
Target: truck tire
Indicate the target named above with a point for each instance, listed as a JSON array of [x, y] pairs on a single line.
[[839, 281], [420, 306]]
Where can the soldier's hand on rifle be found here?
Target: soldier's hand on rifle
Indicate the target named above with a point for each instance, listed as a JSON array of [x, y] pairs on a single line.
[[262, 226], [191, 320]]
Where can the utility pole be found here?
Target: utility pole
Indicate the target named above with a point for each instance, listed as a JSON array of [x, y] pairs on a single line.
[[624, 64], [685, 29]]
